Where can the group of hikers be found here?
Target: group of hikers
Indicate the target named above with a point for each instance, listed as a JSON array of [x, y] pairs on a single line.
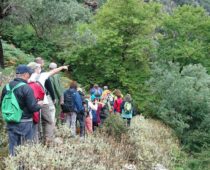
[[35, 102]]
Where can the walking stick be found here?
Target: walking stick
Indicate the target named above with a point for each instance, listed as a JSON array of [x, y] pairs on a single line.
[[40, 126]]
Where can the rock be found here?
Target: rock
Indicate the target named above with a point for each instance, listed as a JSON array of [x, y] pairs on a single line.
[[58, 141], [159, 167], [129, 167]]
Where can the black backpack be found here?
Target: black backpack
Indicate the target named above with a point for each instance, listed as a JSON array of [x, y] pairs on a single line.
[[68, 105]]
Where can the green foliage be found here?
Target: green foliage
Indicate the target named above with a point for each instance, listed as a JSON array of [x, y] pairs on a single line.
[[14, 56], [184, 102], [117, 47], [43, 28], [45, 16], [115, 126], [200, 161], [185, 36], [25, 38]]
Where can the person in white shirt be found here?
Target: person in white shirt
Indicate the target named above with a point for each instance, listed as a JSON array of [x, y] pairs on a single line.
[[90, 106], [48, 124]]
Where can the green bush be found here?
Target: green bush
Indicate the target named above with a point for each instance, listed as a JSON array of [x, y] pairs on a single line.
[[183, 102], [200, 161], [14, 56], [115, 126], [25, 38]]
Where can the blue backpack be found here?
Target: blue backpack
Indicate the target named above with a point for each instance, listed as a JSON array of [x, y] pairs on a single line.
[[94, 114], [68, 105]]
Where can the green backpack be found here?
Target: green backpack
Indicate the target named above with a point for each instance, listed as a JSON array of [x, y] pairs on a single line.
[[10, 108], [128, 107]]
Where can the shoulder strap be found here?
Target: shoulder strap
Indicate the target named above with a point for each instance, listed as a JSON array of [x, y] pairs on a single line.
[[40, 85], [18, 85], [7, 87]]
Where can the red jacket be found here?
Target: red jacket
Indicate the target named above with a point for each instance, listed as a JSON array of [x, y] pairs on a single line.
[[117, 104]]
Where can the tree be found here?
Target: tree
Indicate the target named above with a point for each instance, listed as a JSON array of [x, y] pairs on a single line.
[[185, 36], [119, 46], [5, 10], [183, 102], [44, 27], [49, 16]]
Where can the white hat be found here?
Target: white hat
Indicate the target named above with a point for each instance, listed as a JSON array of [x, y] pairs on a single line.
[[53, 65]]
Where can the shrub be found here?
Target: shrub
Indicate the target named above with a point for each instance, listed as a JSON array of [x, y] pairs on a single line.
[[93, 153], [25, 38], [149, 142], [200, 161], [115, 126], [184, 102], [14, 56], [153, 143]]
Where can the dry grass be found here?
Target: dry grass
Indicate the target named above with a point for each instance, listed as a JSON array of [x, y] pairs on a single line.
[[154, 143]]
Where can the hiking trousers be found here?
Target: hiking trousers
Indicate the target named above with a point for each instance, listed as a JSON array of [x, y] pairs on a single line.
[[81, 119], [19, 133], [48, 125], [71, 119], [88, 125], [52, 109]]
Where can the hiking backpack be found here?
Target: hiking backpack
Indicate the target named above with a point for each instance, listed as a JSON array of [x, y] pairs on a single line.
[[94, 116], [97, 92], [127, 107], [10, 108], [68, 105]]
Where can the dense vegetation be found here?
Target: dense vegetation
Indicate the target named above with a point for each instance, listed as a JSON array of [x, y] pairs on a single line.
[[156, 50]]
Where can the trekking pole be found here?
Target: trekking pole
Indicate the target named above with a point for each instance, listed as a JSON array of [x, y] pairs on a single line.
[[40, 126], [84, 125]]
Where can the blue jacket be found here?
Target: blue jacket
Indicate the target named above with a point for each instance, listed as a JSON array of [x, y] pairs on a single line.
[[77, 101]]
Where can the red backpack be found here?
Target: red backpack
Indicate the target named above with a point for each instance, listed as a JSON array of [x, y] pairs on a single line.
[[39, 95]]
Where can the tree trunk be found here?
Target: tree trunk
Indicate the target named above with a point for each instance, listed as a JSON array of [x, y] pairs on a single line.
[[1, 55]]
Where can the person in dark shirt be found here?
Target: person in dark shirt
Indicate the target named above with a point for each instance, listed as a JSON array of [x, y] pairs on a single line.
[[20, 132], [73, 107]]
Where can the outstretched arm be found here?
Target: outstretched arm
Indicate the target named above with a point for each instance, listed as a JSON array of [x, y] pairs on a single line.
[[56, 70]]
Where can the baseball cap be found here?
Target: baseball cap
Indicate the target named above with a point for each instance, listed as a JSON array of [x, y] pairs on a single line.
[[22, 68]]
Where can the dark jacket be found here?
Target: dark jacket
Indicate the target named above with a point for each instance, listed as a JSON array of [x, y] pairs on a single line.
[[49, 88], [72, 95], [25, 98]]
